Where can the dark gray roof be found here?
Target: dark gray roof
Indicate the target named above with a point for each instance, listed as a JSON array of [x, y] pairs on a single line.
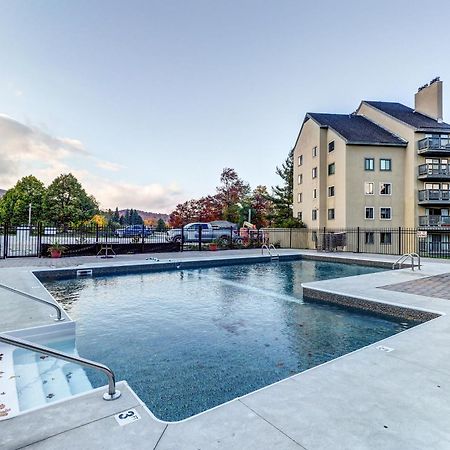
[[356, 129], [409, 116]]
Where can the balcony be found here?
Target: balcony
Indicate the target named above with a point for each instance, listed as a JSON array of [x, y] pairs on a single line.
[[434, 197], [434, 146], [434, 221], [434, 172]]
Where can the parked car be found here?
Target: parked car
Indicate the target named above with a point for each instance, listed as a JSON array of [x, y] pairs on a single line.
[[134, 231], [210, 233]]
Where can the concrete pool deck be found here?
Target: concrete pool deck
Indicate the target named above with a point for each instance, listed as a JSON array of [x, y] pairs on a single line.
[[389, 395]]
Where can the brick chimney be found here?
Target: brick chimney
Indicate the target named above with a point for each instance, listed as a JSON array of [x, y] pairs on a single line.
[[428, 100]]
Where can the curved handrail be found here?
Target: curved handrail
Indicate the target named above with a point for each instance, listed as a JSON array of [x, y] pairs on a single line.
[[404, 257], [59, 316], [264, 246], [112, 393], [274, 248]]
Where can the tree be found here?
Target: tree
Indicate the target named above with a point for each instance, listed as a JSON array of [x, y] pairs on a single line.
[[161, 225], [230, 192], [283, 196], [67, 202], [261, 206], [116, 216], [14, 205]]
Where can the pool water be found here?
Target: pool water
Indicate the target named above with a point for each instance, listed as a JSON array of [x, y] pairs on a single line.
[[189, 340]]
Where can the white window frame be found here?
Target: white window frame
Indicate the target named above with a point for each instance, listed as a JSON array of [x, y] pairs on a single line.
[[300, 197], [300, 160], [373, 187], [386, 207], [314, 151], [334, 213], [379, 188], [314, 172], [300, 178], [373, 212]]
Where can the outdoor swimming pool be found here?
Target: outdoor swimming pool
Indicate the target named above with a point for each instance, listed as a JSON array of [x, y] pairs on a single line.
[[189, 340]]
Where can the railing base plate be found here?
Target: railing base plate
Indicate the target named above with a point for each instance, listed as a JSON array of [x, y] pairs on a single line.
[[108, 397]]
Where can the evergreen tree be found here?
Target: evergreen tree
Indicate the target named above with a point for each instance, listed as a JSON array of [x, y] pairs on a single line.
[[283, 196], [161, 225], [116, 216]]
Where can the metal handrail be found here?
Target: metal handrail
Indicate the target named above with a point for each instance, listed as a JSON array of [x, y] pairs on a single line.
[[112, 393], [274, 248], [264, 246], [404, 257], [59, 316]]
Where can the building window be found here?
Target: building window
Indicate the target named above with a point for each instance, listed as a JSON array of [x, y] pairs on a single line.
[[385, 214], [370, 213], [300, 160], [369, 164], [300, 179], [314, 152], [368, 188], [385, 238], [385, 165], [314, 214], [331, 191], [299, 197], [331, 169], [330, 146], [385, 188], [314, 193], [369, 238], [331, 214], [300, 215], [314, 172]]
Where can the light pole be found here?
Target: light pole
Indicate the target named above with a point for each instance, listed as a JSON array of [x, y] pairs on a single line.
[[29, 215]]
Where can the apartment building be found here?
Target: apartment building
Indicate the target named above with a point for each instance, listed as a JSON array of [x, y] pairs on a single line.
[[384, 166]]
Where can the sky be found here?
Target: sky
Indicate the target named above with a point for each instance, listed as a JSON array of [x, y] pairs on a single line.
[[147, 101]]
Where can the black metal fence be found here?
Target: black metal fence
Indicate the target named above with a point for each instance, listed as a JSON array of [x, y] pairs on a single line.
[[92, 239], [386, 241]]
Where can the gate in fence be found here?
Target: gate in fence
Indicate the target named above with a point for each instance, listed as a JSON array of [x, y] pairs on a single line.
[[19, 240]]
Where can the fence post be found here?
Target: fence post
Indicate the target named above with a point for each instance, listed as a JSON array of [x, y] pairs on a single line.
[[199, 238], [399, 240], [96, 233], [5, 241], [182, 238], [357, 243], [39, 239], [231, 238], [143, 238], [290, 237]]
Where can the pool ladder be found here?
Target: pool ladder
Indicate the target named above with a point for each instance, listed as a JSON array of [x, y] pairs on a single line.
[[268, 248], [406, 256]]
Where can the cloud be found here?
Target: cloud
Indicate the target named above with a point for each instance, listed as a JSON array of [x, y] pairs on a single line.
[[27, 149], [107, 165]]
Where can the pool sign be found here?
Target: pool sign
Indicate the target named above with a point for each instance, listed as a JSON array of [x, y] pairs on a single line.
[[421, 234], [126, 417]]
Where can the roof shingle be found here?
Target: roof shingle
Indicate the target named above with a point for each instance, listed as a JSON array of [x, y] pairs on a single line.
[[356, 129], [409, 116]]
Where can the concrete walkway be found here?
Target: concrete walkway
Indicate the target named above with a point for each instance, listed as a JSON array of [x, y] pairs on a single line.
[[393, 394]]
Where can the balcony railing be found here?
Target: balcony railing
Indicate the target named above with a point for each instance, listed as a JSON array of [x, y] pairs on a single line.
[[434, 170], [434, 221], [434, 196], [435, 144]]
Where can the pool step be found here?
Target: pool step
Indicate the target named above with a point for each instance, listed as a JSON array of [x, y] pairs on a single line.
[[41, 379]]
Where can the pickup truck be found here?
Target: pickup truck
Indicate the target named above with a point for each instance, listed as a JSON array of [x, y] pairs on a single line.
[[209, 233]]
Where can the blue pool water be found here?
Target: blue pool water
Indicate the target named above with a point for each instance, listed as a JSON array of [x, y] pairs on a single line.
[[190, 340]]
